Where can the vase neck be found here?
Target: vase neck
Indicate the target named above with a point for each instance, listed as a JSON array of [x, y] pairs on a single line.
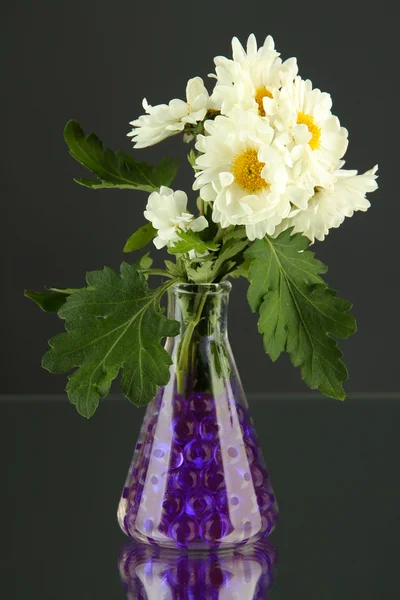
[[203, 307]]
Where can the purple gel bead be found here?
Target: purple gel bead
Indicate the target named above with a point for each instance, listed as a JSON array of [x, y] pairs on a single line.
[[209, 429], [184, 530], [201, 404], [265, 525], [185, 479], [178, 405], [265, 500], [142, 475], [240, 413], [199, 505], [151, 425], [198, 453], [221, 501], [176, 457], [129, 521], [172, 505], [215, 527], [258, 475], [184, 429], [213, 479], [250, 455]]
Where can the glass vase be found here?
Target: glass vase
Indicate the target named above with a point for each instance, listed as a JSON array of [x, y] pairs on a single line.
[[198, 477]]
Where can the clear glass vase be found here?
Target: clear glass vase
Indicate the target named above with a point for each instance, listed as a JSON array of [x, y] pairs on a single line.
[[197, 477]]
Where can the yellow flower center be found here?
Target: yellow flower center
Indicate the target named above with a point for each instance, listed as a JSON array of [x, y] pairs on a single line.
[[304, 119], [246, 169], [260, 94]]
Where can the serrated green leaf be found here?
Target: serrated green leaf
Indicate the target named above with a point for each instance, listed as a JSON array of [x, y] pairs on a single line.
[[203, 274], [241, 271], [232, 249], [176, 269], [115, 169], [192, 241], [298, 312], [140, 238], [51, 300], [113, 324]]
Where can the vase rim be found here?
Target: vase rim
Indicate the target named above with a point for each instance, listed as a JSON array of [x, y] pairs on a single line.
[[223, 287]]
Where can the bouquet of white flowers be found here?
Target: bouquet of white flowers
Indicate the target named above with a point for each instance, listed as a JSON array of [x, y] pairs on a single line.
[[269, 180]]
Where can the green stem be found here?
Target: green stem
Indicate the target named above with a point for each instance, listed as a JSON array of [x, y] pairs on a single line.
[[156, 272], [183, 360], [219, 234]]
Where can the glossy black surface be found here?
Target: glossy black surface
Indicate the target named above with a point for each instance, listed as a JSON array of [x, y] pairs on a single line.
[[334, 466]]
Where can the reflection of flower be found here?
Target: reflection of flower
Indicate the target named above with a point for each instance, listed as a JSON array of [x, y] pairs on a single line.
[[245, 174], [167, 212], [251, 77], [328, 209], [164, 120]]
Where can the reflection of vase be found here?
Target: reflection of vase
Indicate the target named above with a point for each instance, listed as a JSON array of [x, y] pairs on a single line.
[[197, 477], [152, 573]]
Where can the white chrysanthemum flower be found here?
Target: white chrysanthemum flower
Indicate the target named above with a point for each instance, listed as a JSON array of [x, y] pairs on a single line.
[[164, 120], [244, 175], [318, 141], [249, 80], [167, 212], [328, 209]]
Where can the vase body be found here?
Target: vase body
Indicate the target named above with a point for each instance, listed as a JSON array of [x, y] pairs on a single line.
[[153, 573], [198, 477]]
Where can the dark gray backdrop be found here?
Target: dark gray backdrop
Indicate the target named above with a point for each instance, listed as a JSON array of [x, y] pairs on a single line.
[[94, 61]]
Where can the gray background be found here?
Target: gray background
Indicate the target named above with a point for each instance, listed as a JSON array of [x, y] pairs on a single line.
[[94, 61]]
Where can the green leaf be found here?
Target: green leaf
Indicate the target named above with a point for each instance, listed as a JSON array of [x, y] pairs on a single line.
[[140, 238], [177, 269], [145, 261], [50, 301], [115, 169], [192, 241], [113, 324], [232, 249], [241, 271], [298, 311], [203, 274]]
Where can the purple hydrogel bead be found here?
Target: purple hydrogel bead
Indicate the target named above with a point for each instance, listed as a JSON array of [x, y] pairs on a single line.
[[199, 505], [198, 453], [215, 527], [176, 456], [209, 428], [221, 501], [258, 476], [172, 505], [178, 405], [201, 405], [184, 429], [240, 413], [265, 500], [185, 479], [184, 530], [129, 520], [213, 479]]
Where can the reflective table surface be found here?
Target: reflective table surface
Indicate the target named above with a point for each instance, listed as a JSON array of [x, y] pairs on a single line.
[[334, 467]]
